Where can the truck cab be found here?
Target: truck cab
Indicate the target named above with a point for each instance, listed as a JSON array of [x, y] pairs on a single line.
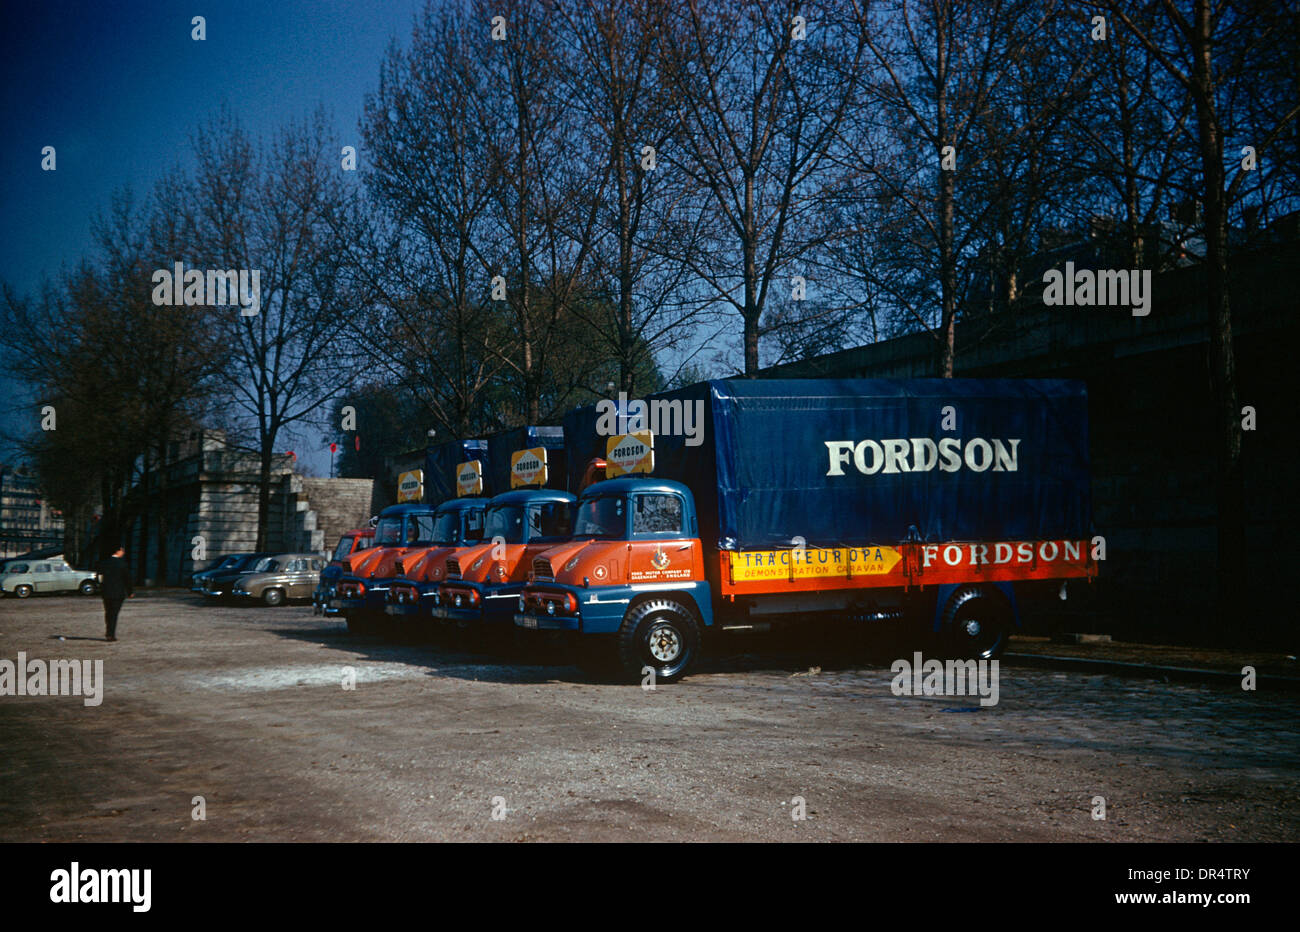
[[483, 581], [634, 571], [364, 579], [416, 573], [323, 600]]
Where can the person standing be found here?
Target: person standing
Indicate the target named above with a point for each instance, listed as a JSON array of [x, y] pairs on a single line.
[[115, 587]]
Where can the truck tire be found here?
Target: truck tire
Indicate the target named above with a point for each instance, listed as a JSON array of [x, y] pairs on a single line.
[[976, 624], [273, 597], [661, 634]]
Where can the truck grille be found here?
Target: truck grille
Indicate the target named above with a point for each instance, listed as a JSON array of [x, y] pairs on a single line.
[[453, 568], [542, 568]]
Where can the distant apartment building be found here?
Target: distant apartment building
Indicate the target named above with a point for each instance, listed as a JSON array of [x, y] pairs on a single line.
[[27, 522]]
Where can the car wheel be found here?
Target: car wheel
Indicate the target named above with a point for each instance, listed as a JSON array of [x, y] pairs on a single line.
[[661, 634], [23, 592], [87, 587], [273, 597]]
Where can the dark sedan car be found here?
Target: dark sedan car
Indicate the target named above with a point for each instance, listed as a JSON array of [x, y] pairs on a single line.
[[218, 583], [227, 562]]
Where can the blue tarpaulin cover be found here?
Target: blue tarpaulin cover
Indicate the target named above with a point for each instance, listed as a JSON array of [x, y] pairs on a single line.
[[501, 446], [440, 464], [759, 477]]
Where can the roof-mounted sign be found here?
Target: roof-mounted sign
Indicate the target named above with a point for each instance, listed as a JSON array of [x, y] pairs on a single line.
[[630, 454], [528, 467], [469, 478], [410, 486]]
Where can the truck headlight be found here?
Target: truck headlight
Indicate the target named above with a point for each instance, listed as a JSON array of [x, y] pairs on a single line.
[[550, 607], [523, 605]]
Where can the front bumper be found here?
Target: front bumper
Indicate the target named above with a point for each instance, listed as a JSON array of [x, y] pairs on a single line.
[[534, 622]]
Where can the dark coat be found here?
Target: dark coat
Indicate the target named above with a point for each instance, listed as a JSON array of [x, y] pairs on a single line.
[[115, 578]]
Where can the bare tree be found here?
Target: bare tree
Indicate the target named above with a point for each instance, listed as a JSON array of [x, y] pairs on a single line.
[[948, 112], [1212, 50], [428, 323], [761, 90], [279, 209]]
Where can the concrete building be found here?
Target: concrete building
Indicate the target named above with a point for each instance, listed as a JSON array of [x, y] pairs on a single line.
[[208, 494]]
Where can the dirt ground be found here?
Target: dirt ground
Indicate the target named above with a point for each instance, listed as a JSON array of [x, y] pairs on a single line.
[[246, 708]]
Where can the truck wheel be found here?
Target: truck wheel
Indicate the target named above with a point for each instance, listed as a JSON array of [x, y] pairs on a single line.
[[23, 592], [976, 623], [661, 634], [273, 597]]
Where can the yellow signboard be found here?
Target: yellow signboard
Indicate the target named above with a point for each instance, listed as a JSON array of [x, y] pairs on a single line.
[[628, 454], [812, 563], [528, 467], [469, 478], [410, 486]]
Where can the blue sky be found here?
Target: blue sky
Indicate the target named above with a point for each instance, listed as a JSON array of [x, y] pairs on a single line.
[[118, 88]]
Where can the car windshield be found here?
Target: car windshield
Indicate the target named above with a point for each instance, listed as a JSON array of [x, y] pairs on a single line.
[[601, 517], [228, 562], [266, 565], [505, 521]]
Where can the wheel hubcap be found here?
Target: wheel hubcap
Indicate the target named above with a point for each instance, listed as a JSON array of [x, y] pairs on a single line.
[[973, 627], [665, 643]]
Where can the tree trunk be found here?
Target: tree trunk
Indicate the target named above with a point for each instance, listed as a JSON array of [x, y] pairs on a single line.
[[1223, 385], [264, 497], [947, 201]]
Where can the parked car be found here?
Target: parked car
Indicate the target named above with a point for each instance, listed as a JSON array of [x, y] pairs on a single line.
[[228, 562], [218, 583], [277, 579], [327, 586], [27, 578]]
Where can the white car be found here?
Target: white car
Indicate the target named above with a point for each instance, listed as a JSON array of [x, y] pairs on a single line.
[[25, 578]]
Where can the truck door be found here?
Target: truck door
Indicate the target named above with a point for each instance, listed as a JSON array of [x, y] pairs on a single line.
[[660, 550]]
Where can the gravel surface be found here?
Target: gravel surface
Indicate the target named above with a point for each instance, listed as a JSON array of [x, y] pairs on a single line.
[[246, 707]]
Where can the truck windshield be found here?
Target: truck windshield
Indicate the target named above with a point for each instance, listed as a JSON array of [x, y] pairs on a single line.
[[344, 548], [388, 532], [550, 519], [601, 517], [505, 521]]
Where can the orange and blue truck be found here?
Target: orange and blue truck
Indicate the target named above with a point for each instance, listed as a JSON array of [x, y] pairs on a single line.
[[478, 582], [407, 531], [323, 599], [737, 505]]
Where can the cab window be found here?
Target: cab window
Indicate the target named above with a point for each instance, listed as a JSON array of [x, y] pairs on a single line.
[[657, 514], [474, 524], [420, 529], [550, 519]]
